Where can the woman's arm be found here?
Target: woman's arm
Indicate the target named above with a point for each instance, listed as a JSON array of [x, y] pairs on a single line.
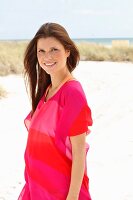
[[78, 165]]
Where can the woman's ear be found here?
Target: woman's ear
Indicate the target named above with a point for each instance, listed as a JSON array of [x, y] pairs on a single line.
[[68, 53]]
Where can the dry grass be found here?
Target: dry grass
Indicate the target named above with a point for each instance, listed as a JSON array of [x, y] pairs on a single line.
[[95, 52], [92, 51], [11, 57]]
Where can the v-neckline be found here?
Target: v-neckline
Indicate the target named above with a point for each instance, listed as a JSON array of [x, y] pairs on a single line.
[[58, 89]]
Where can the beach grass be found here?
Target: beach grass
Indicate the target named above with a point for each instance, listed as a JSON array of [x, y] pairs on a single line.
[[95, 52], [11, 57], [12, 53]]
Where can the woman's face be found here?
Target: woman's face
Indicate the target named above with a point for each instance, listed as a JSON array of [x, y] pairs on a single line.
[[51, 55]]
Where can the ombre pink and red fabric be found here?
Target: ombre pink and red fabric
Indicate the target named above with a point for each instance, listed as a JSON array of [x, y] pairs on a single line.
[[48, 154]]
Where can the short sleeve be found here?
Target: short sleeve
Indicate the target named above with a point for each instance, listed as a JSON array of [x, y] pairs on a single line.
[[76, 114]]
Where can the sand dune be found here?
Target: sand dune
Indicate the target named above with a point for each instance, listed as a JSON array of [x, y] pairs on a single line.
[[108, 87]]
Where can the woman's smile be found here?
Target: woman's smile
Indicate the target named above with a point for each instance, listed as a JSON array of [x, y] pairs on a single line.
[[49, 65]]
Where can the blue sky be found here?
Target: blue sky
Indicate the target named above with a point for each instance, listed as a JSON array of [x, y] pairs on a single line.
[[81, 18]]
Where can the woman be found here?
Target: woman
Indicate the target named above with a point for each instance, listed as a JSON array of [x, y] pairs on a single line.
[[55, 155]]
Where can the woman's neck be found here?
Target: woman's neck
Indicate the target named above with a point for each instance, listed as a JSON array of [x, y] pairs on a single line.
[[57, 80]]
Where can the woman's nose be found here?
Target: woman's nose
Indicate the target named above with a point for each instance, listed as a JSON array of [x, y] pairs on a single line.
[[47, 55]]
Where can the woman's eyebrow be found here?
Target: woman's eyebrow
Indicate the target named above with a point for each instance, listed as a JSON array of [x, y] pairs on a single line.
[[40, 48], [49, 48]]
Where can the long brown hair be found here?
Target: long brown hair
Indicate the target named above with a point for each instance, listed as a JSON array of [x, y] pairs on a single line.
[[36, 78]]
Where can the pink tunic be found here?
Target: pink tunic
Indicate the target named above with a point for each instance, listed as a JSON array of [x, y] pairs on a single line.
[[48, 154]]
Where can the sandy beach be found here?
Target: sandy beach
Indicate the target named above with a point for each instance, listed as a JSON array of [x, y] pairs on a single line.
[[108, 87]]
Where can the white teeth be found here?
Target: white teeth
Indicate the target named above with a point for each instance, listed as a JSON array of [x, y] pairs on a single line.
[[49, 64]]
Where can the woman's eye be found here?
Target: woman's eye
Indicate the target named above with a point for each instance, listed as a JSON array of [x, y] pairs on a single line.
[[54, 49], [41, 51]]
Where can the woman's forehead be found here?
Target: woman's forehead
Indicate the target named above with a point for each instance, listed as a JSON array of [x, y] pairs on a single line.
[[48, 42]]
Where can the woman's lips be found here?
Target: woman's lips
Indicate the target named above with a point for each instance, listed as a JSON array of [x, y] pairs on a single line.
[[50, 64]]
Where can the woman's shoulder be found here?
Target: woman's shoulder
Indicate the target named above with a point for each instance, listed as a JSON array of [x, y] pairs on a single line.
[[72, 85], [73, 89]]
